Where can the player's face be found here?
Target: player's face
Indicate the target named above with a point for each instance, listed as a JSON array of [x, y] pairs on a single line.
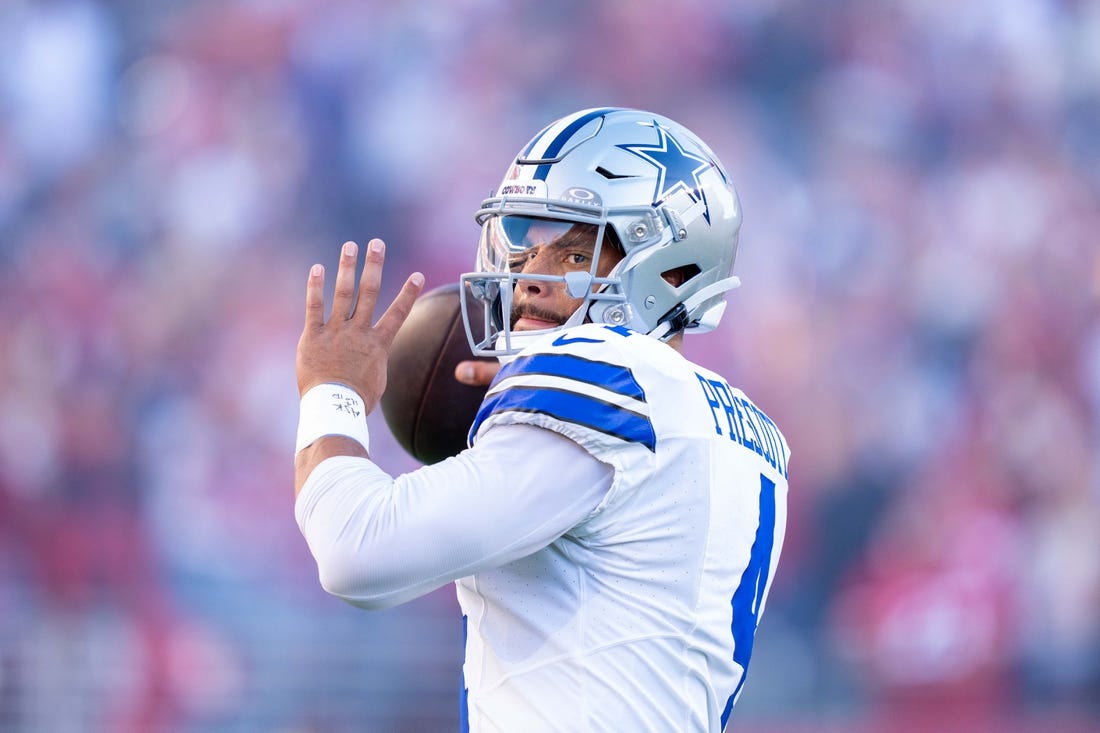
[[554, 248]]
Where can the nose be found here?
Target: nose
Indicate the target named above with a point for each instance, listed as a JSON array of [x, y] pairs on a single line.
[[530, 288], [540, 262]]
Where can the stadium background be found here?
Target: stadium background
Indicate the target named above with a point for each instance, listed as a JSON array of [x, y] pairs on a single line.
[[921, 267]]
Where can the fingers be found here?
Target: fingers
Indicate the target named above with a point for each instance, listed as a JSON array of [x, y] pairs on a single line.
[[395, 315], [315, 298], [476, 373], [371, 281], [344, 303], [344, 294]]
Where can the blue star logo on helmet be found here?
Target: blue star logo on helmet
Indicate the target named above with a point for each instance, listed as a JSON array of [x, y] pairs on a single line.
[[677, 169]]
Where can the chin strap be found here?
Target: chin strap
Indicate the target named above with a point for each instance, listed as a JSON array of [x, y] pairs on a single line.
[[677, 319]]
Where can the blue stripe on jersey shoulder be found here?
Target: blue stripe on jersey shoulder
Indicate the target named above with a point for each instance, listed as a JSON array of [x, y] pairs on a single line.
[[570, 407], [612, 377]]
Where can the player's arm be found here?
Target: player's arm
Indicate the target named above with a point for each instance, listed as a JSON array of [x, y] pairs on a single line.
[[379, 541], [349, 350]]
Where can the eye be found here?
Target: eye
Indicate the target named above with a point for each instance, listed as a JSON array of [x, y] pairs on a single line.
[[520, 260], [576, 258]]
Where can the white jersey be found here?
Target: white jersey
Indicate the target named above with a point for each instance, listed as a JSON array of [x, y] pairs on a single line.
[[642, 616], [595, 598]]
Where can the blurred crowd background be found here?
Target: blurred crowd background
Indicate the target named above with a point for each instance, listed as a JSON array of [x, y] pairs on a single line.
[[921, 267]]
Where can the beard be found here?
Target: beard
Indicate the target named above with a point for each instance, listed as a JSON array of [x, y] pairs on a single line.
[[530, 311]]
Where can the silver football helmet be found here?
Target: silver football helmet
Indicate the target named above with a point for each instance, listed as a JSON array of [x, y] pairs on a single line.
[[639, 181]]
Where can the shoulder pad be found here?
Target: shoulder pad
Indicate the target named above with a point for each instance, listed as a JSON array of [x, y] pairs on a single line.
[[574, 378]]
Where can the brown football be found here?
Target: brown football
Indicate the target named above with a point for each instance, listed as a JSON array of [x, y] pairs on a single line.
[[428, 411]]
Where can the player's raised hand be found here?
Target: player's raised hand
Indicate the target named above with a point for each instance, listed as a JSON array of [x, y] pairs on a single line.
[[351, 348]]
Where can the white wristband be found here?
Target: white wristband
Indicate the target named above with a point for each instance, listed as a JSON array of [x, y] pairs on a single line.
[[331, 409]]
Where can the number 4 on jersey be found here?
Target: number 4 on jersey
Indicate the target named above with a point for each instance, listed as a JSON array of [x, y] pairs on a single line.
[[750, 591]]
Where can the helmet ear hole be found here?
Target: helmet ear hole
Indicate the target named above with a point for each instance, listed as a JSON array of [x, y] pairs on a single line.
[[677, 276]]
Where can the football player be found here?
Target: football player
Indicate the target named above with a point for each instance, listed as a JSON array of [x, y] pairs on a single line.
[[615, 525]]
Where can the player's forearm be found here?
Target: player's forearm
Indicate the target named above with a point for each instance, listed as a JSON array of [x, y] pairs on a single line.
[[313, 455]]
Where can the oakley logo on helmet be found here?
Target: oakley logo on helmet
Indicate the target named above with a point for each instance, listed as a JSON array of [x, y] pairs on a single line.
[[578, 195]]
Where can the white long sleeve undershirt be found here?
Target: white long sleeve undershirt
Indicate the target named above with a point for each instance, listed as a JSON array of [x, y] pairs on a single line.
[[380, 541]]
